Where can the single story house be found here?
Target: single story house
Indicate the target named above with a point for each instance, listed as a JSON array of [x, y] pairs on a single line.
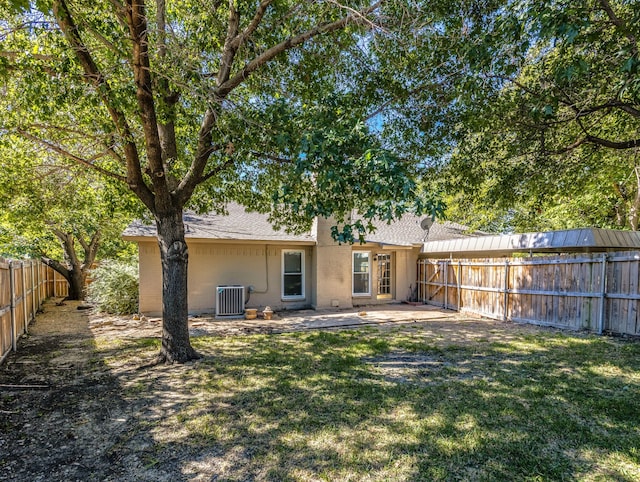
[[239, 261]]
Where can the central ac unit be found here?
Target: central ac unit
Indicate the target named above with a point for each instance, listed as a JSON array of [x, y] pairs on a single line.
[[229, 300]]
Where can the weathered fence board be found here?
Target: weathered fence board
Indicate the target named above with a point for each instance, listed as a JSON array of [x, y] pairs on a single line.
[[24, 285], [597, 292]]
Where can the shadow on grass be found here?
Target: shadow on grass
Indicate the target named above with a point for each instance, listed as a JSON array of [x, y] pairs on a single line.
[[62, 415], [372, 405]]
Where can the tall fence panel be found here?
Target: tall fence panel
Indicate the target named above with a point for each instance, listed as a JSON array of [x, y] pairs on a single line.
[[595, 292], [24, 285], [6, 326], [60, 285], [623, 295]]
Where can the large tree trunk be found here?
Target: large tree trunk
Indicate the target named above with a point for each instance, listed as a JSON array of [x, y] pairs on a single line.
[[77, 280], [75, 276], [74, 270], [174, 254]]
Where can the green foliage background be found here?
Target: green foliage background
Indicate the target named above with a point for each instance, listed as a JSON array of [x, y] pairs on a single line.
[[114, 287]]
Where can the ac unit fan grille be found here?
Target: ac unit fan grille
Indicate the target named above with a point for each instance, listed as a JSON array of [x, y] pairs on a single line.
[[229, 300]]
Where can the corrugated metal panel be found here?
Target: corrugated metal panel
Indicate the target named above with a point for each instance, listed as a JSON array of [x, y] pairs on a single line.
[[565, 241]]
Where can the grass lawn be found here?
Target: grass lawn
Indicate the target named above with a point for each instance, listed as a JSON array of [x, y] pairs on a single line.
[[400, 404]]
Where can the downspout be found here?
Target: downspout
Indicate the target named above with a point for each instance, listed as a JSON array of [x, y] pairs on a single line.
[[251, 288]]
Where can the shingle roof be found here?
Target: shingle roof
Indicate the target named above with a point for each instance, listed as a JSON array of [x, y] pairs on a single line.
[[239, 224], [406, 231]]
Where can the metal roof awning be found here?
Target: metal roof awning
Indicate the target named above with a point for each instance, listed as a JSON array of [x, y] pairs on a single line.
[[566, 241]]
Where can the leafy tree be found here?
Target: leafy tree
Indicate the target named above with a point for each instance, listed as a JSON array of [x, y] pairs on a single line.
[[192, 104], [550, 117], [61, 214]]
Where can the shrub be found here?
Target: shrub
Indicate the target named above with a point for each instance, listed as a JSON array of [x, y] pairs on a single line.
[[114, 287]]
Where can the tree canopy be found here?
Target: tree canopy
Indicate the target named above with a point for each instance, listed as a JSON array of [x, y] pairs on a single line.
[[60, 213], [194, 103], [549, 118]]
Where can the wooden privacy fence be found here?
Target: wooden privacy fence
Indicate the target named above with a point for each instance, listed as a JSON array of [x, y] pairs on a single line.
[[595, 292], [24, 285]]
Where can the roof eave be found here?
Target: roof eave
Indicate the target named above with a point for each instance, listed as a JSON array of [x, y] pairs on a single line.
[[297, 242]]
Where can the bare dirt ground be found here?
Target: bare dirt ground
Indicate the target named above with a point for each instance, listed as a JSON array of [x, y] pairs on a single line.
[[64, 415]]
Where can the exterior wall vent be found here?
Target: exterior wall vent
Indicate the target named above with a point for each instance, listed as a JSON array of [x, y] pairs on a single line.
[[229, 300]]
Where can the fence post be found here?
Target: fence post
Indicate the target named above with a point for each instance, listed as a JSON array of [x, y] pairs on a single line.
[[24, 299], [446, 283], [506, 290], [33, 293], [12, 301], [38, 285], [459, 284], [603, 295]]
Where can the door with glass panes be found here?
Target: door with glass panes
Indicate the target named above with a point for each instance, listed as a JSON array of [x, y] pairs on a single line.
[[384, 276]]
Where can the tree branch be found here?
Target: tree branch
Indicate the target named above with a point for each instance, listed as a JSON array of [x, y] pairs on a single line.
[[225, 88], [230, 47], [514, 82], [217, 170], [85, 162], [119, 9], [630, 144], [103, 40], [203, 152], [94, 77], [68, 130], [137, 20], [226, 84], [253, 25], [58, 266], [166, 128], [68, 246], [281, 160], [628, 108], [90, 249], [83, 243], [622, 26], [355, 13], [569, 148], [9, 54]]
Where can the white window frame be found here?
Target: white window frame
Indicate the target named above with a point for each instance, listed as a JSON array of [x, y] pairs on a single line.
[[353, 273], [302, 274]]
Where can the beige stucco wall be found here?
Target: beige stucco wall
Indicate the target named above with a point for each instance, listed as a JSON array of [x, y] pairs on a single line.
[[328, 273], [407, 269], [332, 270], [150, 278], [215, 264]]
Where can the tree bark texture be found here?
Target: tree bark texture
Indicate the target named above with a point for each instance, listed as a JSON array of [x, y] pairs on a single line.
[[77, 285], [174, 255], [75, 276]]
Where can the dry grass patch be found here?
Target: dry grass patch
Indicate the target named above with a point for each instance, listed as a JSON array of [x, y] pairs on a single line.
[[397, 404]]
